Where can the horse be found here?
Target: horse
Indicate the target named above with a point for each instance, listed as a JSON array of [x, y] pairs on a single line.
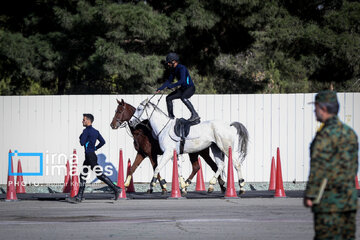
[[217, 135], [147, 146]]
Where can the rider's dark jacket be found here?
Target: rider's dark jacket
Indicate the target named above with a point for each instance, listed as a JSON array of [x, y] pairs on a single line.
[[181, 73]]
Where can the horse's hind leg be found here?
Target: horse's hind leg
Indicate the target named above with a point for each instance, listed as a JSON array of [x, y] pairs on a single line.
[[237, 165], [206, 156], [219, 159]]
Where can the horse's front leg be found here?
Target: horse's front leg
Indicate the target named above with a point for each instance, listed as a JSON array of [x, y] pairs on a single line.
[[138, 159], [163, 159], [154, 163], [183, 184]]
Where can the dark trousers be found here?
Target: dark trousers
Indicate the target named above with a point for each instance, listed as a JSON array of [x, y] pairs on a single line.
[[184, 94], [91, 160], [337, 225]]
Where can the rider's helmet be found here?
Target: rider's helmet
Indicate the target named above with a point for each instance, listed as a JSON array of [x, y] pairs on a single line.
[[171, 57]]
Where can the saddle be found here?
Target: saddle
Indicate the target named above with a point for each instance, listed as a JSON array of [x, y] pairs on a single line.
[[182, 129]]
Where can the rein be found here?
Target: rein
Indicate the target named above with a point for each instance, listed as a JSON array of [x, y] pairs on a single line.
[[155, 106], [125, 123]]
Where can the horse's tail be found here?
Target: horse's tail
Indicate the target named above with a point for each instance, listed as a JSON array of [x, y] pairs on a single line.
[[243, 135]]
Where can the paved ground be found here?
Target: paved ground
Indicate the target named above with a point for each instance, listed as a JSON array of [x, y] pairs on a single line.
[[246, 218], [107, 195]]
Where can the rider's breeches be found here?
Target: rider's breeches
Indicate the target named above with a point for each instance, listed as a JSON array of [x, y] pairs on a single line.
[[180, 93]]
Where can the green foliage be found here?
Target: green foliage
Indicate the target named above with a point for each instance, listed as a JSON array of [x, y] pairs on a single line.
[[229, 46]]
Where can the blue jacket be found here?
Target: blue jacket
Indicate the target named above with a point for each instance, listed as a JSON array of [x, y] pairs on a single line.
[[88, 139], [182, 74]]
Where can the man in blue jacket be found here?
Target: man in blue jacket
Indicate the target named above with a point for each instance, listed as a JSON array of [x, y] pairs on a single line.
[[88, 139], [186, 90]]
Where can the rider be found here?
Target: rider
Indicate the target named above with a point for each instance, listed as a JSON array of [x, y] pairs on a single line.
[[186, 90]]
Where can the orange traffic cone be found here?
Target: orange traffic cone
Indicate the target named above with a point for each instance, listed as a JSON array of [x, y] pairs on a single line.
[[272, 175], [200, 184], [131, 187], [120, 180], [10, 191], [75, 177], [67, 180], [20, 187], [357, 182], [279, 189], [175, 188], [230, 188]]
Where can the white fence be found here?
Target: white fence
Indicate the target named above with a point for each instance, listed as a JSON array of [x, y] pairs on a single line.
[[52, 124]]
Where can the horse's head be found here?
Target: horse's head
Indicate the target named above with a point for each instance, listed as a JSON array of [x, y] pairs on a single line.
[[123, 114], [140, 114]]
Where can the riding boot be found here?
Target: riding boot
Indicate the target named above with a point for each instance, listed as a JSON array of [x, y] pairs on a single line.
[[194, 115], [117, 190], [169, 105], [79, 197]]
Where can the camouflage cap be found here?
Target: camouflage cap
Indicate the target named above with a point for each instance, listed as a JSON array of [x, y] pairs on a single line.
[[326, 97]]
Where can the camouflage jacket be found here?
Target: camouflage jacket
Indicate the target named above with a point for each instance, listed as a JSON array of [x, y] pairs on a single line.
[[334, 156]]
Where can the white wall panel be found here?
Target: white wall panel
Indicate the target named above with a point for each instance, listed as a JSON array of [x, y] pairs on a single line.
[[249, 163], [283, 134], [3, 161], [52, 125], [267, 151], [299, 133], [258, 136], [290, 147]]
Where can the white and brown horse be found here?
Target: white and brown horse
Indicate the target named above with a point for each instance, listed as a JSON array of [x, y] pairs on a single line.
[[217, 135]]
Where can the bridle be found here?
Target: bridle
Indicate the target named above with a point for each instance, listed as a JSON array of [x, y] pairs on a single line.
[[155, 106], [148, 117], [118, 120]]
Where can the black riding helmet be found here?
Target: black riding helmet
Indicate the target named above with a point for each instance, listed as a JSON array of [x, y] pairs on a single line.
[[171, 57]]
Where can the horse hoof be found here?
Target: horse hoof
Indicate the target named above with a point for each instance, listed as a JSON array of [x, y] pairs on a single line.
[[210, 189], [223, 189], [241, 191], [153, 182], [241, 183], [149, 191], [183, 192], [182, 182], [128, 181], [213, 181], [163, 192]]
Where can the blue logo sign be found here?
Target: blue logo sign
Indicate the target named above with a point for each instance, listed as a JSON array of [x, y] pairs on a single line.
[[19, 154]]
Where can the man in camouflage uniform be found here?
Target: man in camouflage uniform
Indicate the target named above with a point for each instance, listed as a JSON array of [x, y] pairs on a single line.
[[330, 190]]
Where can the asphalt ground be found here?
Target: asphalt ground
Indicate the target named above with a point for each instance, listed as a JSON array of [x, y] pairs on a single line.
[[156, 195], [256, 215], [252, 218]]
